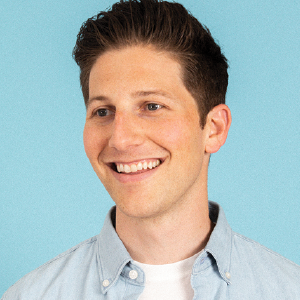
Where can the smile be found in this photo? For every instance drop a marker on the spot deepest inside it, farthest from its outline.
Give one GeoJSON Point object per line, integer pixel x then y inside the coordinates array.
{"type": "Point", "coordinates": [137, 166]}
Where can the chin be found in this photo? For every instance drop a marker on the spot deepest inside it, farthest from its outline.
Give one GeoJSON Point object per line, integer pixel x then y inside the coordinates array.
{"type": "Point", "coordinates": [141, 209]}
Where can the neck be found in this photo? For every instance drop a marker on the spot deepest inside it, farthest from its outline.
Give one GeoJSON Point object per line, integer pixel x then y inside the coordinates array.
{"type": "Point", "coordinates": [169, 237]}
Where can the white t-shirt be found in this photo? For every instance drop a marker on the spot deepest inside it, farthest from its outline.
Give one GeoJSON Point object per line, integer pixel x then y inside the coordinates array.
{"type": "Point", "coordinates": [170, 281]}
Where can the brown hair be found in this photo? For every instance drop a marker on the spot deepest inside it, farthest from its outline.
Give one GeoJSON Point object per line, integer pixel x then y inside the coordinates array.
{"type": "Point", "coordinates": [167, 26]}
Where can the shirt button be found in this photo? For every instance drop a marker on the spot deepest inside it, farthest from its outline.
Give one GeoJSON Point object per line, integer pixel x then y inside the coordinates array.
{"type": "Point", "coordinates": [227, 274]}
{"type": "Point", "coordinates": [133, 274]}
{"type": "Point", "coordinates": [105, 283]}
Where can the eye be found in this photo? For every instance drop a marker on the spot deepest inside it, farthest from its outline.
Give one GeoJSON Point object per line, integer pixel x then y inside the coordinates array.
{"type": "Point", "coordinates": [103, 112]}
{"type": "Point", "coordinates": [153, 106]}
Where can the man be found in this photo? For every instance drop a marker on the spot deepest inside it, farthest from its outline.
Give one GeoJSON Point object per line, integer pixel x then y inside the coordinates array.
{"type": "Point", "coordinates": [154, 83]}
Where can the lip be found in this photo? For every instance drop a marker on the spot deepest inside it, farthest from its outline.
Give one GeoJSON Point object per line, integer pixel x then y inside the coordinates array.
{"type": "Point", "coordinates": [136, 176]}
{"type": "Point", "coordinates": [138, 160]}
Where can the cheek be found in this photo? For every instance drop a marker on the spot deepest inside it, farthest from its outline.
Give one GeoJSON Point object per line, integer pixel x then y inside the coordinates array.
{"type": "Point", "coordinates": [92, 142]}
{"type": "Point", "coordinates": [87, 141]}
{"type": "Point", "coordinates": [177, 134]}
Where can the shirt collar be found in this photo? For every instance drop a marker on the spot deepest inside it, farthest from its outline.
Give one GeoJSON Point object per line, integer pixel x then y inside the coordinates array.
{"type": "Point", "coordinates": [113, 256]}
{"type": "Point", "coordinates": [220, 241]}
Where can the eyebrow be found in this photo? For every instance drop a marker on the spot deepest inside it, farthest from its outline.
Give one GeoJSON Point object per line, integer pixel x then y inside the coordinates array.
{"type": "Point", "coordinates": [134, 95]}
{"type": "Point", "coordinates": [149, 93]}
{"type": "Point", "coordinates": [97, 98]}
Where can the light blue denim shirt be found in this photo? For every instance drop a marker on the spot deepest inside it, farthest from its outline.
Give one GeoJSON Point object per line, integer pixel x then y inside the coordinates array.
{"type": "Point", "coordinates": [230, 267]}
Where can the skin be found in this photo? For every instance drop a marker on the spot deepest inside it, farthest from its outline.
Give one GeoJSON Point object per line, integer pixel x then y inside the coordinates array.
{"type": "Point", "coordinates": [140, 110]}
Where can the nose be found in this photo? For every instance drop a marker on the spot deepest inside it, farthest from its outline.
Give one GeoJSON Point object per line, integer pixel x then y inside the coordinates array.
{"type": "Point", "coordinates": [126, 132]}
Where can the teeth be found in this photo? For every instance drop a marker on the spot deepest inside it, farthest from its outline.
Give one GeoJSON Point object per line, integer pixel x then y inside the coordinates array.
{"type": "Point", "coordinates": [140, 166]}
{"type": "Point", "coordinates": [133, 168]}
{"type": "Point", "coordinates": [127, 169]}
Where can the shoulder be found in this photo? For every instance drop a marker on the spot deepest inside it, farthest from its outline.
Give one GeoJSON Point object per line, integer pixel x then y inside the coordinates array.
{"type": "Point", "coordinates": [66, 266]}
{"type": "Point", "coordinates": [259, 253]}
{"type": "Point", "coordinates": [263, 268]}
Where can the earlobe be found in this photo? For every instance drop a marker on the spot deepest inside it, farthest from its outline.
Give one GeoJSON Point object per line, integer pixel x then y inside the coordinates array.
{"type": "Point", "coordinates": [218, 122]}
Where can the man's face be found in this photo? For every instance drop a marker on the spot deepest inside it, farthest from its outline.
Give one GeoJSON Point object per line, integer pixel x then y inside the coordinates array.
{"type": "Point", "coordinates": [142, 121]}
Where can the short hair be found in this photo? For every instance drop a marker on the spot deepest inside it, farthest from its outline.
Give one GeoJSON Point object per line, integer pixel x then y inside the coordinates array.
{"type": "Point", "coordinates": [167, 26]}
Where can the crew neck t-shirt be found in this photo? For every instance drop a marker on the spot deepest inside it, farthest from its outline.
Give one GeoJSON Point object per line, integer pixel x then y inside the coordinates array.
{"type": "Point", "coordinates": [169, 281]}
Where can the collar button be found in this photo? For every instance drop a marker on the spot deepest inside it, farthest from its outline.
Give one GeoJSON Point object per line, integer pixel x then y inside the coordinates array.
{"type": "Point", "coordinates": [105, 283]}
{"type": "Point", "coordinates": [228, 275]}
{"type": "Point", "coordinates": [133, 274]}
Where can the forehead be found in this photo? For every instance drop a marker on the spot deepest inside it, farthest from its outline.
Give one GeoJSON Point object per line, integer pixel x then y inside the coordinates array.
{"type": "Point", "coordinates": [135, 67]}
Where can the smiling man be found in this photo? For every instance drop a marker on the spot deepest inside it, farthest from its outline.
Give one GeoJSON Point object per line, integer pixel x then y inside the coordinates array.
{"type": "Point", "coordinates": [154, 83]}
{"type": "Point", "coordinates": [145, 142]}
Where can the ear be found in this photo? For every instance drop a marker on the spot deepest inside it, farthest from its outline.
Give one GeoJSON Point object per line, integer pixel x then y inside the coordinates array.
{"type": "Point", "coordinates": [217, 126]}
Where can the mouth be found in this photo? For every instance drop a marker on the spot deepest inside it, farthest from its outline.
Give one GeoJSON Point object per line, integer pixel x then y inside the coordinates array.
{"type": "Point", "coordinates": [136, 167]}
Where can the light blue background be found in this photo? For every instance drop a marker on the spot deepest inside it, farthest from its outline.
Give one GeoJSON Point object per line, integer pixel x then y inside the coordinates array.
{"type": "Point", "coordinates": [50, 197]}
